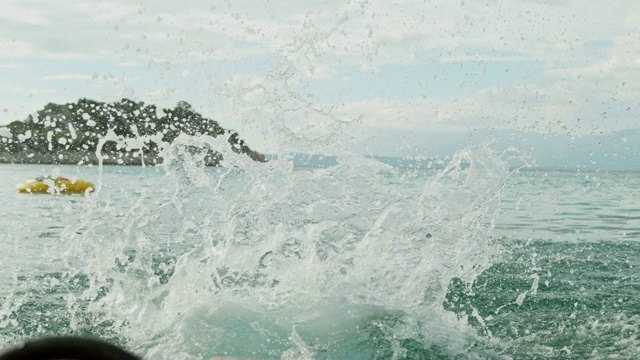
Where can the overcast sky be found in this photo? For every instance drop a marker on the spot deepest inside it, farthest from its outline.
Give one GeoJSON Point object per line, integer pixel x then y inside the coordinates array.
{"type": "Point", "coordinates": [276, 70]}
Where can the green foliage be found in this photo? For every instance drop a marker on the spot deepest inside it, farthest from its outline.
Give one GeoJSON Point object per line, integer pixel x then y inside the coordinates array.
{"type": "Point", "coordinates": [76, 128]}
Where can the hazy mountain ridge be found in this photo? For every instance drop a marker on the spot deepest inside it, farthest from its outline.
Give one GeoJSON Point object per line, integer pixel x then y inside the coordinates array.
{"type": "Point", "coordinates": [619, 150]}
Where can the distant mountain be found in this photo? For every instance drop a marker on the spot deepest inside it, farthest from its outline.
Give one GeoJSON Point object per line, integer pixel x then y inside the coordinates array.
{"type": "Point", "coordinates": [614, 151]}
{"type": "Point", "coordinates": [70, 133]}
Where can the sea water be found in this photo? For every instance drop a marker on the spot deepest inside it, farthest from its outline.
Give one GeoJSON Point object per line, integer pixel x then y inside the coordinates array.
{"type": "Point", "coordinates": [357, 260]}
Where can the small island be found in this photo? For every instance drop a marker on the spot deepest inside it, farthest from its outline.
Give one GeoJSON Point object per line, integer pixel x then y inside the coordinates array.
{"type": "Point", "coordinates": [70, 133]}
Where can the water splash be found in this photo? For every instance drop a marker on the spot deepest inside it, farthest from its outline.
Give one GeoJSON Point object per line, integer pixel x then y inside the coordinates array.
{"type": "Point", "coordinates": [234, 260]}
{"type": "Point", "coordinates": [267, 261]}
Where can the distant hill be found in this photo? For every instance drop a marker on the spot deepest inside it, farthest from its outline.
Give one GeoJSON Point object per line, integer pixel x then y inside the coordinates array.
{"type": "Point", "coordinates": [618, 150]}
{"type": "Point", "coordinates": [69, 133]}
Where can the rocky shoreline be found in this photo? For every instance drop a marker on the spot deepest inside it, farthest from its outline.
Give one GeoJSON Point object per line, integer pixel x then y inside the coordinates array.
{"type": "Point", "coordinates": [78, 158]}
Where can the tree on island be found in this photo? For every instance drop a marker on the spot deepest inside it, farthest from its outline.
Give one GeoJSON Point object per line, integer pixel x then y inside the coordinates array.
{"type": "Point", "coordinates": [70, 133]}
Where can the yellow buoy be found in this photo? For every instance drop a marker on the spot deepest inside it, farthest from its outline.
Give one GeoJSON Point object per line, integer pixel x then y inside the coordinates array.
{"type": "Point", "coordinates": [59, 185]}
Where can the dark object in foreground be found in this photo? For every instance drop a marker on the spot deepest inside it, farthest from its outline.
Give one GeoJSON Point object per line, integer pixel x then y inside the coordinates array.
{"type": "Point", "coordinates": [68, 348]}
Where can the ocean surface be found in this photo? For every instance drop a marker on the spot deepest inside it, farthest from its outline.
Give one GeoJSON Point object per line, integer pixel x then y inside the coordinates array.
{"type": "Point", "coordinates": [357, 260]}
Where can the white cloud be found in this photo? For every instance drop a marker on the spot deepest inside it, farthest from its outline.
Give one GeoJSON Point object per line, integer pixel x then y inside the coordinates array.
{"type": "Point", "coordinates": [570, 85]}
{"type": "Point", "coordinates": [67, 77]}
{"type": "Point", "coordinates": [128, 63]}
{"type": "Point", "coordinates": [164, 94]}
{"type": "Point", "coordinates": [110, 80]}
{"type": "Point", "coordinates": [31, 91]}
{"type": "Point", "coordinates": [321, 72]}
{"type": "Point", "coordinates": [127, 92]}
{"type": "Point", "coordinates": [367, 68]}
{"type": "Point", "coordinates": [12, 65]}
{"type": "Point", "coordinates": [15, 12]}
{"type": "Point", "coordinates": [14, 49]}
{"type": "Point", "coordinates": [574, 106]}
{"type": "Point", "coordinates": [405, 31]}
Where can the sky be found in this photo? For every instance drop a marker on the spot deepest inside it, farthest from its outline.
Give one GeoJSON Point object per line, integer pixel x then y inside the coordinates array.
{"type": "Point", "coordinates": [300, 72]}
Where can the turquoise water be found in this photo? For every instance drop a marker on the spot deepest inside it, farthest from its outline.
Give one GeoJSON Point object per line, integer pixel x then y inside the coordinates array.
{"type": "Point", "coordinates": [354, 261]}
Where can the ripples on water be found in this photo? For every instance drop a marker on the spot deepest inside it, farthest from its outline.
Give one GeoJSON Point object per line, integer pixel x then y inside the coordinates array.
{"type": "Point", "coordinates": [352, 261]}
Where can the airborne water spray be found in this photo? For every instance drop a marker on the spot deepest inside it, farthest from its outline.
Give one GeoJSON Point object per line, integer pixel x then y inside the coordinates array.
{"type": "Point", "coordinates": [259, 260]}
{"type": "Point", "coordinates": [263, 260]}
